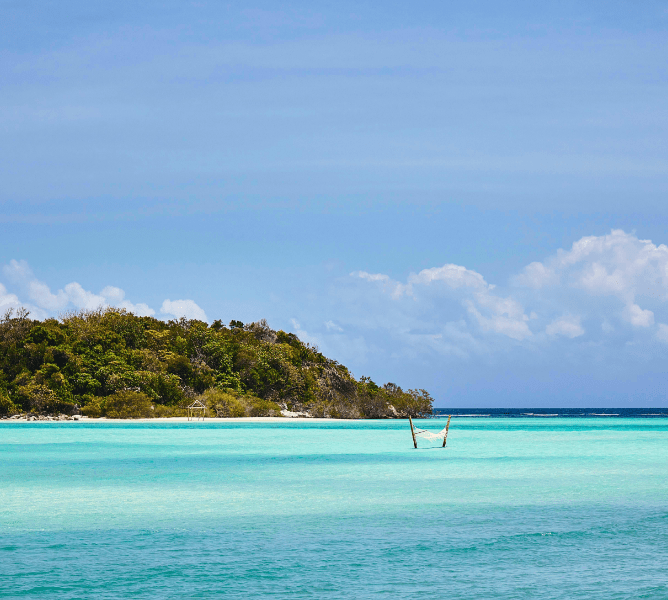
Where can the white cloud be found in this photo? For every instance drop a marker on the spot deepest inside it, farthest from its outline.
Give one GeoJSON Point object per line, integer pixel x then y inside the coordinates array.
{"type": "Point", "coordinates": [505, 316]}
{"type": "Point", "coordinates": [331, 326]}
{"type": "Point", "coordinates": [370, 276]}
{"type": "Point", "coordinates": [492, 313]}
{"type": "Point", "coordinates": [639, 317]}
{"type": "Point", "coordinates": [617, 265]}
{"type": "Point", "coordinates": [303, 335]}
{"type": "Point", "coordinates": [116, 297]}
{"type": "Point", "coordinates": [662, 333]}
{"type": "Point", "coordinates": [619, 279]}
{"type": "Point", "coordinates": [454, 276]}
{"type": "Point", "coordinates": [183, 308]}
{"type": "Point", "coordinates": [17, 270]}
{"type": "Point", "coordinates": [568, 326]}
{"type": "Point", "coordinates": [72, 295]}
{"type": "Point", "coordinates": [40, 294]}
{"type": "Point", "coordinates": [113, 295]}
{"type": "Point", "coordinates": [609, 264]}
{"type": "Point", "coordinates": [81, 298]}
{"type": "Point", "coordinates": [536, 275]}
{"type": "Point", "coordinates": [394, 287]}
{"type": "Point", "coordinates": [7, 300]}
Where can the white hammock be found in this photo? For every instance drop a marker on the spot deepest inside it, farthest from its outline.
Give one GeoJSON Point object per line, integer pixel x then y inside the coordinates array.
{"type": "Point", "coordinates": [431, 435]}
{"type": "Point", "coordinates": [441, 436]}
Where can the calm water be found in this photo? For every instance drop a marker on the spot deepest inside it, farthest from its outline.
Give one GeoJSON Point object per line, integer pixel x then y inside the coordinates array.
{"type": "Point", "coordinates": [560, 507]}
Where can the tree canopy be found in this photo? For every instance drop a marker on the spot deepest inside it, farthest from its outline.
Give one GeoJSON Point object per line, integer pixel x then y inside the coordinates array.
{"type": "Point", "coordinates": [110, 362]}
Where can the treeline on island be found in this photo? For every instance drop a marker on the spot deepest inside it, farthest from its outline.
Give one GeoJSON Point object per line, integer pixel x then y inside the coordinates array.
{"type": "Point", "coordinates": [112, 363]}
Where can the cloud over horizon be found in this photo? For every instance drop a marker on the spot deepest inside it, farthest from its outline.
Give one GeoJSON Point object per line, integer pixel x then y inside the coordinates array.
{"type": "Point", "coordinates": [44, 303]}
{"type": "Point", "coordinates": [604, 290]}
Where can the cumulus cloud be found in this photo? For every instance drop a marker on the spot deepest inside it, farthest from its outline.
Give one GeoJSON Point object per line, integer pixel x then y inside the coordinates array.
{"type": "Point", "coordinates": [183, 308]}
{"type": "Point", "coordinates": [394, 287]}
{"type": "Point", "coordinates": [7, 300]}
{"type": "Point", "coordinates": [116, 297]}
{"type": "Point", "coordinates": [43, 302]}
{"type": "Point", "coordinates": [72, 295]}
{"type": "Point", "coordinates": [568, 326]}
{"type": "Point", "coordinates": [637, 316]}
{"type": "Point", "coordinates": [491, 312]}
{"type": "Point", "coordinates": [618, 280]}
{"type": "Point", "coordinates": [17, 270]}
{"type": "Point", "coordinates": [40, 294]}
{"type": "Point", "coordinates": [536, 275]}
{"type": "Point", "coordinates": [617, 265]}
{"type": "Point", "coordinates": [454, 276]}
{"type": "Point", "coordinates": [662, 333]}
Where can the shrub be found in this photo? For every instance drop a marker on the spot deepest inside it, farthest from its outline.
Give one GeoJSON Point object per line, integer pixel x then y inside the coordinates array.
{"type": "Point", "coordinates": [226, 403]}
{"type": "Point", "coordinates": [39, 398]}
{"type": "Point", "coordinates": [95, 408]}
{"type": "Point", "coordinates": [414, 403]}
{"type": "Point", "coordinates": [7, 407]}
{"type": "Point", "coordinates": [162, 411]}
{"type": "Point", "coordinates": [221, 403]}
{"type": "Point", "coordinates": [263, 408]}
{"type": "Point", "coordinates": [128, 405]}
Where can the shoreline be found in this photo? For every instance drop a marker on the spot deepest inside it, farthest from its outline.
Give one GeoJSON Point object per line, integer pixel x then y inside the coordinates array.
{"type": "Point", "coordinates": [180, 420]}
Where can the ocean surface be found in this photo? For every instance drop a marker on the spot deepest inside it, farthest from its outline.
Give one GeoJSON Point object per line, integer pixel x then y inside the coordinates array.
{"type": "Point", "coordinates": [528, 507]}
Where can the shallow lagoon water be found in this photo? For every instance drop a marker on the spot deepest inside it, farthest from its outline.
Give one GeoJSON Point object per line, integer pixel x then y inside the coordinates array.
{"type": "Point", "coordinates": [512, 508]}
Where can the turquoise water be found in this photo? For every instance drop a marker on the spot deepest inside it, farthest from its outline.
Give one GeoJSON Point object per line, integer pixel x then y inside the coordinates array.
{"type": "Point", "coordinates": [513, 508]}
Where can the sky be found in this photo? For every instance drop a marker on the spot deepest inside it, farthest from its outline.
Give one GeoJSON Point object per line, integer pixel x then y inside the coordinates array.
{"type": "Point", "coordinates": [465, 197]}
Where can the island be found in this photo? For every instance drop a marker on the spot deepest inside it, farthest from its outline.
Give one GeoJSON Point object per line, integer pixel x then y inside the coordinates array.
{"type": "Point", "coordinates": [112, 363]}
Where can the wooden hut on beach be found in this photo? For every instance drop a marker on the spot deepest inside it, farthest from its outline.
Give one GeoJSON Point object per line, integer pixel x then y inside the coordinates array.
{"type": "Point", "coordinates": [196, 411]}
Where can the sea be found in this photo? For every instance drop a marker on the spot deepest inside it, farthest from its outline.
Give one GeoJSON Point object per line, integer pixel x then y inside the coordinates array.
{"type": "Point", "coordinates": [520, 504]}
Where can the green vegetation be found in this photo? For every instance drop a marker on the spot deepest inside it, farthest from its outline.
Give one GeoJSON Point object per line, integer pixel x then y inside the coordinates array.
{"type": "Point", "coordinates": [112, 363]}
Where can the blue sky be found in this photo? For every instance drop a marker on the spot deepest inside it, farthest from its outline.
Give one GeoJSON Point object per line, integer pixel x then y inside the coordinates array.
{"type": "Point", "coordinates": [468, 197]}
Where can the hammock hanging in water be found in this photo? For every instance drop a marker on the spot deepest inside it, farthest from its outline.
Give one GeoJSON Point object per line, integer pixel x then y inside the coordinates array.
{"type": "Point", "coordinates": [430, 435]}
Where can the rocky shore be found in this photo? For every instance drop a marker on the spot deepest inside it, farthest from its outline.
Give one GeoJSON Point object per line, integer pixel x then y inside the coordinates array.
{"type": "Point", "coordinates": [43, 418]}
{"type": "Point", "coordinates": [84, 419]}
{"type": "Point", "coordinates": [285, 414]}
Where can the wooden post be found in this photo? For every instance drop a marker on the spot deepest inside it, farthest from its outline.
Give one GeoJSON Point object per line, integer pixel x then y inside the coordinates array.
{"type": "Point", "coordinates": [445, 437]}
{"type": "Point", "coordinates": [412, 432]}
